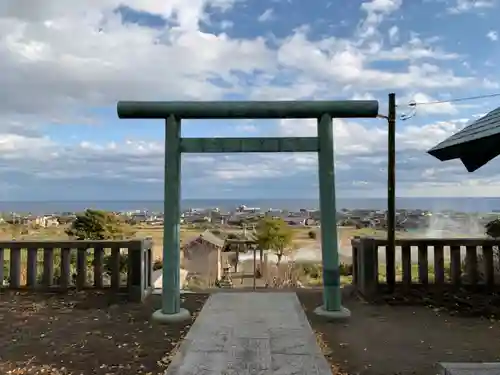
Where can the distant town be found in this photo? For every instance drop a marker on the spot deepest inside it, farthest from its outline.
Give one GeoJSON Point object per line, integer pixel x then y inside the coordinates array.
{"type": "Point", "coordinates": [406, 220]}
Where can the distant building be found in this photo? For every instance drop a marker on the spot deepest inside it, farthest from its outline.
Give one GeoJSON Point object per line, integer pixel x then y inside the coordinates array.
{"type": "Point", "coordinates": [201, 256]}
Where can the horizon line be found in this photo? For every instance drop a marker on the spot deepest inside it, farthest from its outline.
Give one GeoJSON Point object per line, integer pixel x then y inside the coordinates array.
{"type": "Point", "coordinates": [232, 199]}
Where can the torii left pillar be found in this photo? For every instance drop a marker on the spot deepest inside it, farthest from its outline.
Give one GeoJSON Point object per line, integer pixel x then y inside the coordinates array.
{"type": "Point", "coordinates": [171, 300]}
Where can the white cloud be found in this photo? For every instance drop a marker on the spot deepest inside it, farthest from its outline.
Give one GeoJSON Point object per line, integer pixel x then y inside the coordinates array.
{"type": "Point", "coordinates": [415, 49]}
{"type": "Point", "coordinates": [62, 60]}
{"type": "Point", "coordinates": [268, 15]}
{"type": "Point", "coordinates": [462, 6]}
{"type": "Point", "coordinates": [381, 6]}
{"type": "Point", "coordinates": [393, 34]}
{"type": "Point", "coordinates": [492, 35]}
{"type": "Point", "coordinates": [376, 12]}
{"type": "Point", "coordinates": [353, 138]}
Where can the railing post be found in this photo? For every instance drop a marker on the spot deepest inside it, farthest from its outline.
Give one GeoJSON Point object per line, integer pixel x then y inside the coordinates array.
{"type": "Point", "coordinates": [368, 267]}
{"type": "Point", "coordinates": [148, 265]}
{"type": "Point", "coordinates": [138, 270]}
{"type": "Point", "coordinates": [134, 271]}
{"type": "Point", "coordinates": [355, 244]}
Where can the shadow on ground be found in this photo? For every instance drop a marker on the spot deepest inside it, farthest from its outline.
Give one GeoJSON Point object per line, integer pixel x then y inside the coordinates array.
{"type": "Point", "coordinates": [86, 333]}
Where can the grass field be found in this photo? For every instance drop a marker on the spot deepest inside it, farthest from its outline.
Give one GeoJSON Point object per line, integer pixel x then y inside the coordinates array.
{"type": "Point", "coordinates": [301, 236]}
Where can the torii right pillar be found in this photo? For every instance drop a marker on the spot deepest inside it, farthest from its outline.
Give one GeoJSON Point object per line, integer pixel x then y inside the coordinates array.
{"type": "Point", "coordinates": [332, 299]}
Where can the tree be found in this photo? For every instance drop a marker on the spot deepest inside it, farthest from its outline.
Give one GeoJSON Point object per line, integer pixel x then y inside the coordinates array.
{"type": "Point", "coordinates": [493, 228]}
{"type": "Point", "coordinates": [275, 235]}
{"type": "Point", "coordinates": [98, 225]}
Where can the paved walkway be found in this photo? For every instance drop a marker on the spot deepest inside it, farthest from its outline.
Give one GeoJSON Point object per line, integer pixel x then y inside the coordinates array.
{"type": "Point", "coordinates": [250, 334]}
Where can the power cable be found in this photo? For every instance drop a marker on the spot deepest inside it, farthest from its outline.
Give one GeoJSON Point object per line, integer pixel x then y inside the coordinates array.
{"type": "Point", "coordinates": [413, 105]}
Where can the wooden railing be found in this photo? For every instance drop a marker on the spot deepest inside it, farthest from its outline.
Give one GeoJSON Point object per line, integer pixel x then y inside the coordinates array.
{"type": "Point", "coordinates": [50, 266]}
{"type": "Point", "coordinates": [455, 262]}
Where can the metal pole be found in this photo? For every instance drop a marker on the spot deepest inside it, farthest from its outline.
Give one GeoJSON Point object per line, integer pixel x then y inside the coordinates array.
{"type": "Point", "coordinates": [329, 239]}
{"type": "Point", "coordinates": [391, 191]}
{"type": "Point", "coordinates": [171, 298]}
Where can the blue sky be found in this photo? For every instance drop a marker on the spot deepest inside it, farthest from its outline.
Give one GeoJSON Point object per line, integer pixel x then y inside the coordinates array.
{"type": "Point", "coordinates": [66, 65]}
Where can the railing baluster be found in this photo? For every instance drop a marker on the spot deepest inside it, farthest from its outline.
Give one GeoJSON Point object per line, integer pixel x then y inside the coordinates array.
{"type": "Point", "coordinates": [65, 268]}
{"type": "Point", "coordinates": [438, 264]}
{"type": "Point", "coordinates": [31, 267]}
{"type": "Point", "coordinates": [115, 267]}
{"type": "Point", "coordinates": [98, 266]}
{"type": "Point", "coordinates": [15, 267]}
{"type": "Point", "coordinates": [406, 263]}
{"type": "Point", "coordinates": [423, 264]}
{"type": "Point", "coordinates": [471, 271]}
{"type": "Point", "coordinates": [489, 271]}
{"type": "Point", "coordinates": [2, 262]}
{"type": "Point", "coordinates": [48, 267]}
{"type": "Point", "coordinates": [390, 267]}
{"type": "Point", "coordinates": [81, 268]}
{"type": "Point", "coordinates": [455, 265]}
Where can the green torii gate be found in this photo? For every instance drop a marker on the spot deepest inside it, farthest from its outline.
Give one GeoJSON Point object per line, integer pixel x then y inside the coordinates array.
{"type": "Point", "coordinates": [174, 112]}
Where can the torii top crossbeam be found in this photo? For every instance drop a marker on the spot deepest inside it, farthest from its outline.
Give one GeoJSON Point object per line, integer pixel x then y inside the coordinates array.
{"type": "Point", "coordinates": [247, 109]}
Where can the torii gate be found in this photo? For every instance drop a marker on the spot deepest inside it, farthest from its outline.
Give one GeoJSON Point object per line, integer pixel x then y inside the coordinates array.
{"type": "Point", "coordinates": [175, 112]}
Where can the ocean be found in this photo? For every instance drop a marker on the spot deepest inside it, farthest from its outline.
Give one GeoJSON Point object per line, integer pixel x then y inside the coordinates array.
{"type": "Point", "coordinates": [434, 204]}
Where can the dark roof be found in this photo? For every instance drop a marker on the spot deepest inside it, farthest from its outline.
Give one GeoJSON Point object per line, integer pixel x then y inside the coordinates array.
{"type": "Point", "coordinates": [212, 238]}
{"type": "Point", "coordinates": [475, 145]}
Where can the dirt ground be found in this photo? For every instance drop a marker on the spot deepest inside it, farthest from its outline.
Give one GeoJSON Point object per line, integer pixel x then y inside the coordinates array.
{"type": "Point", "coordinates": [386, 339]}
{"type": "Point", "coordinates": [86, 334]}
{"type": "Point", "coordinates": [90, 334]}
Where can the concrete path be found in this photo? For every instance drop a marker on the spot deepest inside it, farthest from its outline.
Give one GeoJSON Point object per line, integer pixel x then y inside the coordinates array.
{"type": "Point", "coordinates": [250, 334]}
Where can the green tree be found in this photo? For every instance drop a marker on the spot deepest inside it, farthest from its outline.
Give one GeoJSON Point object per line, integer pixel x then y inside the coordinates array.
{"type": "Point", "coordinates": [99, 225]}
{"type": "Point", "coordinates": [493, 228]}
{"type": "Point", "coordinates": [275, 235]}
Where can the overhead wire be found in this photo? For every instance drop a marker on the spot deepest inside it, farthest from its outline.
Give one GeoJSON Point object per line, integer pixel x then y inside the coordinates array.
{"type": "Point", "coordinates": [413, 105]}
